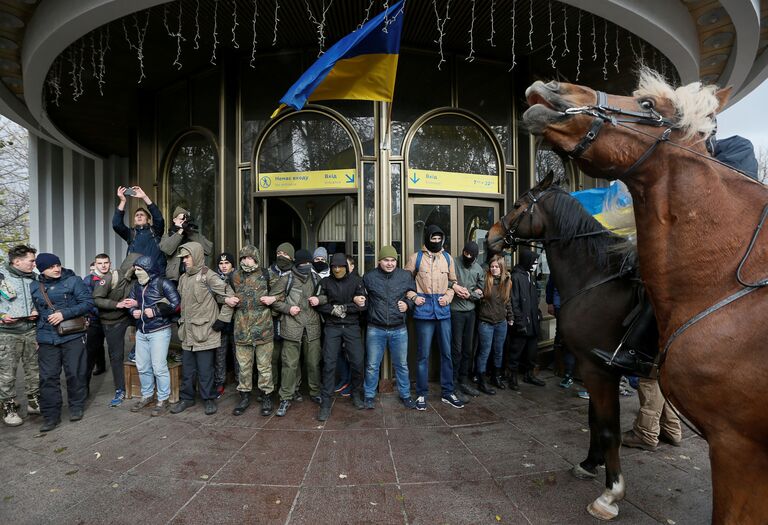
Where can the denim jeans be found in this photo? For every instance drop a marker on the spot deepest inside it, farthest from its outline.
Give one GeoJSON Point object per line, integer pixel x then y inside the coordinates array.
{"type": "Point", "coordinates": [377, 340]}
{"type": "Point", "coordinates": [491, 337]}
{"type": "Point", "coordinates": [152, 364]}
{"type": "Point", "coordinates": [425, 330]}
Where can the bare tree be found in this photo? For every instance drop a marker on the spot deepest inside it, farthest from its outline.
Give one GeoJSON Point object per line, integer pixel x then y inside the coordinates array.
{"type": "Point", "coordinates": [762, 164]}
{"type": "Point", "coordinates": [14, 185]}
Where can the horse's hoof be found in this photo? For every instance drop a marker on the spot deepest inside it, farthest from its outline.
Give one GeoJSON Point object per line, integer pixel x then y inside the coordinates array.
{"type": "Point", "coordinates": [581, 473]}
{"type": "Point", "coordinates": [603, 511]}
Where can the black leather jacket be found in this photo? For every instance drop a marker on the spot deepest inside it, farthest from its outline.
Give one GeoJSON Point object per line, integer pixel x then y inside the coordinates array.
{"type": "Point", "coordinates": [384, 291]}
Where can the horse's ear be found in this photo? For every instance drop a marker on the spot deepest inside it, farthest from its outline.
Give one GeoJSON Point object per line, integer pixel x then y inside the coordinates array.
{"type": "Point", "coordinates": [547, 181]}
{"type": "Point", "coordinates": [722, 97]}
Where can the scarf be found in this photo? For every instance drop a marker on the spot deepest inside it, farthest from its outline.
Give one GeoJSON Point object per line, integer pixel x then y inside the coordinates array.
{"type": "Point", "coordinates": [142, 276]}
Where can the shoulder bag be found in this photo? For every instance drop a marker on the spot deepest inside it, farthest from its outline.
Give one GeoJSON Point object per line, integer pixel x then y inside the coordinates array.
{"type": "Point", "coordinates": [67, 326]}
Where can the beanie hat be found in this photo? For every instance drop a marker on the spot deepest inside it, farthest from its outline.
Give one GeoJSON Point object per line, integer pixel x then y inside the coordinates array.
{"type": "Point", "coordinates": [320, 252]}
{"type": "Point", "coordinates": [387, 251]}
{"type": "Point", "coordinates": [287, 248]}
{"type": "Point", "coordinates": [46, 260]}
{"type": "Point", "coordinates": [224, 256]}
{"type": "Point", "coordinates": [472, 248]}
{"type": "Point", "coordinates": [303, 256]}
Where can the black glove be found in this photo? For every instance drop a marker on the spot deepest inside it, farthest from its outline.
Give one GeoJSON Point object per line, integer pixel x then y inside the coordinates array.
{"type": "Point", "coordinates": [219, 326]}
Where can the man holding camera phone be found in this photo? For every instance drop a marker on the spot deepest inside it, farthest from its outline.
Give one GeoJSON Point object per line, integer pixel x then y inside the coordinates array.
{"type": "Point", "coordinates": [182, 231]}
{"type": "Point", "coordinates": [148, 225]}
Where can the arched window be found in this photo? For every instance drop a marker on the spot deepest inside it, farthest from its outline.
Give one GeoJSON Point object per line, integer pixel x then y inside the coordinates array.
{"type": "Point", "coordinates": [453, 153]}
{"type": "Point", "coordinates": [193, 178]}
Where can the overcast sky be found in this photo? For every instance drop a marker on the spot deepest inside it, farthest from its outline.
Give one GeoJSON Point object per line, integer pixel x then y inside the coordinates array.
{"type": "Point", "coordinates": [748, 118]}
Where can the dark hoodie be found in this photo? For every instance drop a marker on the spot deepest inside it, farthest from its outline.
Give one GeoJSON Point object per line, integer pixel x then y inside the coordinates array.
{"type": "Point", "coordinates": [525, 296]}
{"type": "Point", "coordinates": [69, 295]}
{"type": "Point", "coordinates": [159, 294]}
{"type": "Point", "coordinates": [112, 289]}
{"type": "Point", "coordinates": [335, 292]}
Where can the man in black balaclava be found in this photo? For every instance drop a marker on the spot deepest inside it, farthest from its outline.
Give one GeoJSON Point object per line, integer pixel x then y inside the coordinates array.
{"type": "Point", "coordinates": [525, 330]}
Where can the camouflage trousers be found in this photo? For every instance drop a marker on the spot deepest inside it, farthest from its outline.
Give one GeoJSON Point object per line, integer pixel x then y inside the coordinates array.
{"type": "Point", "coordinates": [245, 357]}
{"type": "Point", "coordinates": [15, 348]}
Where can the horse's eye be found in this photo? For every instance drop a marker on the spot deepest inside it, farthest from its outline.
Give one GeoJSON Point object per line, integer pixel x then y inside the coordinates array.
{"type": "Point", "coordinates": [646, 104]}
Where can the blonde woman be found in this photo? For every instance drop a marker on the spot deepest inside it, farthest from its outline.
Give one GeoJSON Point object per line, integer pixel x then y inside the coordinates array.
{"type": "Point", "coordinates": [495, 312]}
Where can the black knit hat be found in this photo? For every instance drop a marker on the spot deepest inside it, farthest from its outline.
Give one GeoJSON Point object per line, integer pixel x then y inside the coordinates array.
{"type": "Point", "coordinates": [224, 256]}
{"type": "Point", "coordinates": [303, 256]}
{"type": "Point", "coordinates": [472, 248]}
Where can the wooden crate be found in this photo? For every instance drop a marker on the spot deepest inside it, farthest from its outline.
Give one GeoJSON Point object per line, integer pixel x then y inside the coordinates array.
{"type": "Point", "coordinates": [133, 383]}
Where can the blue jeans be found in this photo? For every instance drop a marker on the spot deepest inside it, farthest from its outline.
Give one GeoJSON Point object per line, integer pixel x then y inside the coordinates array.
{"type": "Point", "coordinates": [425, 329]}
{"type": "Point", "coordinates": [151, 362]}
{"type": "Point", "coordinates": [491, 337]}
{"type": "Point", "coordinates": [376, 341]}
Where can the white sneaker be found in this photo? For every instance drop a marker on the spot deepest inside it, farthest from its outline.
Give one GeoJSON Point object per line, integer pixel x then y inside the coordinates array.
{"type": "Point", "coordinates": [10, 416]}
{"type": "Point", "coordinates": [33, 404]}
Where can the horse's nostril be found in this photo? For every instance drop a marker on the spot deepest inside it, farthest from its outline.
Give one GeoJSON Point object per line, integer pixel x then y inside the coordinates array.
{"type": "Point", "coordinates": [553, 86]}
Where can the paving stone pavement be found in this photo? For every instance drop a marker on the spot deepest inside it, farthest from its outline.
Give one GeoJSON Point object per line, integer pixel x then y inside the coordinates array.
{"type": "Point", "coordinates": [501, 459]}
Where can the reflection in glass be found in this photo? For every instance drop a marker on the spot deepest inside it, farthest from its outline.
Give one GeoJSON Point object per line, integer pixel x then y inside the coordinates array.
{"type": "Point", "coordinates": [245, 181]}
{"type": "Point", "coordinates": [193, 181]}
{"type": "Point", "coordinates": [306, 141]}
{"type": "Point", "coordinates": [397, 214]}
{"type": "Point", "coordinates": [369, 215]}
{"type": "Point", "coordinates": [427, 214]}
{"type": "Point", "coordinates": [477, 221]}
{"type": "Point", "coordinates": [546, 161]}
{"type": "Point", "coordinates": [452, 143]}
{"type": "Point", "coordinates": [359, 113]}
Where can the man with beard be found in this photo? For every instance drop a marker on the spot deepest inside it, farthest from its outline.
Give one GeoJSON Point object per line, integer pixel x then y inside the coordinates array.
{"type": "Point", "coordinates": [435, 273]}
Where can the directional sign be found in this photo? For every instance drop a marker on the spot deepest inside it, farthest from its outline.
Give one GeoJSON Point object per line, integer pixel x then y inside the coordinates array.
{"type": "Point", "coordinates": [309, 180]}
{"type": "Point", "coordinates": [452, 181]}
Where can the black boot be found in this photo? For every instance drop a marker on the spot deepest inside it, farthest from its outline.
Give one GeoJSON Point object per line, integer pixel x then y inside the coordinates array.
{"type": "Point", "coordinates": [245, 401]}
{"type": "Point", "coordinates": [532, 379]}
{"type": "Point", "coordinates": [628, 361]}
{"type": "Point", "coordinates": [497, 381]}
{"type": "Point", "coordinates": [484, 388]}
{"type": "Point", "coordinates": [266, 405]}
{"type": "Point", "coordinates": [468, 389]}
{"type": "Point", "coordinates": [513, 380]}
{"type": "Point", "coordinates": [325, 410]}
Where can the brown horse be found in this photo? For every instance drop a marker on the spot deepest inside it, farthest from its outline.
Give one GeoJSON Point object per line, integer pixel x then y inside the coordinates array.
{"type": "Point", "coordinates": [702, 257]}
{"type": "Point", "coordinates": [594, 271]}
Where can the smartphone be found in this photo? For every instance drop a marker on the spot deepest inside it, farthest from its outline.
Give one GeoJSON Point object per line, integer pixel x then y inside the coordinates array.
{"type": "Point", "coordinates": [129, 192]}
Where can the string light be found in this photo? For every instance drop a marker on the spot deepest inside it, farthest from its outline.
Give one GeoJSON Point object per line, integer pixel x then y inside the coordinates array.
{"type": "Point", "coordinates": [73, 73]}
{"type": "Point", "coordinates": [552, 46]}
{"type": "Point", "coordinates": [471, 56]}
{"type": "Point", "coordinates": [642, 52]}
{"type": "Point", "coordinates": [616, 60]}
{"type": "Point", "coordinates": [103, 49]}
{"type": "Point", "coordinates": [441, 29]}
{"type": "Point", "coordinates": [664, 66]}
{"type": "Point", "coordinates": [234, 25]}
{"type": "Point", "coordinates": [139, 46]}
{"type": "Point", "coordinates": [54, 81]}
{"type": "Point", "coordinates": [274, 38]}
{"type": "Point", "coordinates": [255, 40]}
{"type": "Point", "coordinates": [605, 49]}
{"type": "Point", "coordinates": [530, 25]}
{"type": "Point", "coordinates": [514, 62]}
{"type": "Point", "coordinates": [93, 53]}
{"type": "Point", "coordinates": [175, 34]}
{"type": "Point", "coordinates": [386, 13]}
{"type": "Point", "coordinates": [635, 56]}
{"type": "Point", "coordinates": [566, 50]}
{"type": "Point", "coordinates": [197, 25]}
{"type": "Point", "coordinates": [493, 31]}
{"type": "Point", "coordinates": [215, 30]}
{"type": "Point", "coordinates": [594, 39]}
{"type": "Point", "coordinates": [367, 14]}
{"type": "Point", "coordinates": [319, 24]}
{"type": "Point", "coordinates": [579, 58]}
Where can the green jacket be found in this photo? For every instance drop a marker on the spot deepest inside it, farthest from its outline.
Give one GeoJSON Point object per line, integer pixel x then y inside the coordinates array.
{"type": "Point", "coordinates": [253, 320]}
{"type": "Point", "coordinates": [201, 292]}
{"type": "Point", "coordinates": [113, 288]}
{"type": "Point", "coordinates": [473, 278]}
{"type": "Point", "coordinates": [172, 241]}
{"type": "Point", "coordinates": [302, 288]}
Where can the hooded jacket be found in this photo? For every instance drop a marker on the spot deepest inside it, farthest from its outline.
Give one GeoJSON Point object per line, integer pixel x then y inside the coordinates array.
{"type": "Point", "coordinates": [159, 294]}
{"type": "Point", "coordinates": [336, 292]}
{"type": "Point", "coordinates": [435, 278]}
{"type": "Point", "coordinates": [20, 306]}
{"type": "Point", "coordinates": [384, 290]}
{"type": "Point", "coordinates": [172, 241]}
{"type": "Point", "coordinates": [525, 296]}
{"type": "Point", "coordinates": [113, 288]}
{"type": "Point", "coordinates": [302, 288]}
{"type": "Point", "coordinates": [253, 320]}
{"type": "Point", "coordinates": [142, 239]}
{"type": "Point", "coordinates": [202, 291]}
{"type": "Point", "coordinates": [69, 295]}
{"type": "Point", "coordinates": [472, 278]}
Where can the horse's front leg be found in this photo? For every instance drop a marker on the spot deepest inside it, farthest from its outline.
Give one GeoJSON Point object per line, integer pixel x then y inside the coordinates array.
{"type": "Point", "coordinates": [604, 405]}
{"type": "Point", "coordinates": [587, 469]}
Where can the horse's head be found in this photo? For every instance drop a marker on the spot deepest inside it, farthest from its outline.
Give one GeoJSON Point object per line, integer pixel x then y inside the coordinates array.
{"type": "Point", "coordinates": [610, 134]}
{"type": "Point", "coordinates": [522, 222]}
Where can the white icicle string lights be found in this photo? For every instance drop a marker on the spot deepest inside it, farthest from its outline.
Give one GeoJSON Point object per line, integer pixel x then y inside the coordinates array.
{"type": "Point", "coordinates": [616, 60]}
{"type": "Point", "coordinates": [139, 45]}
{"type": "Point", "coordinates": [385, 29]}
{"type": "Point", "coordinates": [493, 30]}
{"type": "Point", "coordinates": [367, 14]}
{"type": "Point", "coordinates": [566, 49]}
{"type": "Point", "coordinates": [103, 48]}
{"type": "Point", "coordinates": [471, 56]}
{"type": "Point", "coordinates": [71, 56]}
{"type": "Point", "coordinates": [274, 37]}
{"type": "Point", "coordinates": [197, 25]}
{"type": "Point", "coordinates": [215, 30]}
{"type": "Point", "coordinates": [254, 42]}
{"type": "Point", "coordinates": [514, 61]}
{"type": "Point", "coordinates": [552, 46]}
{"type": "Point", "coordinates": [234, 25]}
{"type": "Point", "coordinates": [93, 53]}
{"type": "Point", "coordinates": [579, 58]}
{"type": "Point", "coordinates": [175, 34]}
{"type": "Point", "coordinates": [54, 81]}
{"type": "Point", "coordinates": [441, 29]}
{"type": "Point", "coordinates": [594, 40]}
{"type": "Point", "coordinates": [605, 49]}
{"type": "Point", "coordinates": [319, 24]}
{"type": "Point", "coordinates": [530, 25]}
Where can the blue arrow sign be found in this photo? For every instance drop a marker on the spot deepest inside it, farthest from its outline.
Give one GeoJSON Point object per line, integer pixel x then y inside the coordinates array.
{"type": "Point", "coordinates": [351, 179]}
{"type": "Point", "coordinates": [414, 179]}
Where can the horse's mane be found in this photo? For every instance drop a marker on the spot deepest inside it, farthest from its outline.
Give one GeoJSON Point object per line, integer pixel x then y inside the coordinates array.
{"type": "Point", "coordinates": [572, 219]}
{"type": "Point", "coordinates": [695, 103]}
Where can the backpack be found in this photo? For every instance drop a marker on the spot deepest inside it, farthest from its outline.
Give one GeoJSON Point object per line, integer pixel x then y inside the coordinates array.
{"type": "Point", "coordinates": [420, 255]}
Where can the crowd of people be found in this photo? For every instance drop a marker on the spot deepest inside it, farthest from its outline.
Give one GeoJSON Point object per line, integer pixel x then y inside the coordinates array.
{"type": "Point", "coordinates": [268, 320]}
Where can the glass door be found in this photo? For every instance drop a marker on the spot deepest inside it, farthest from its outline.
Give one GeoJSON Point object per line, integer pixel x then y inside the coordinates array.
{"type": "Point", "coordinates": [476, 217]}
{"type": "Point", "coordinates": [425, 211]}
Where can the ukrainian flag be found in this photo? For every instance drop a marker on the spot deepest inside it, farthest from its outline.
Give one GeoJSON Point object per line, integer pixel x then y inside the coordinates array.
{"type": "Point", "coordinates": [360, 66]}
{"type": "Point", "coordinates": [611, 206]}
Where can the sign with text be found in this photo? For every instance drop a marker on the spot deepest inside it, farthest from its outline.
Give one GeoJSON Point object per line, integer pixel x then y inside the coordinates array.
{"type": "Point", "coordinates": [451, 181]}
{"type": "Point", "coordinates": [343, 179]}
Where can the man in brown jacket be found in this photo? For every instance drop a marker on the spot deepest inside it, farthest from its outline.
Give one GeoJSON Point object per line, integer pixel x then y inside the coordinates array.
{"type": "Point", "coordinates": [201, 321]}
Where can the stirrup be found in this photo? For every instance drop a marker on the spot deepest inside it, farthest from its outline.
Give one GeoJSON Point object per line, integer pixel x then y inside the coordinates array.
{"type": "Point", "coordinates": [628, 362]}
